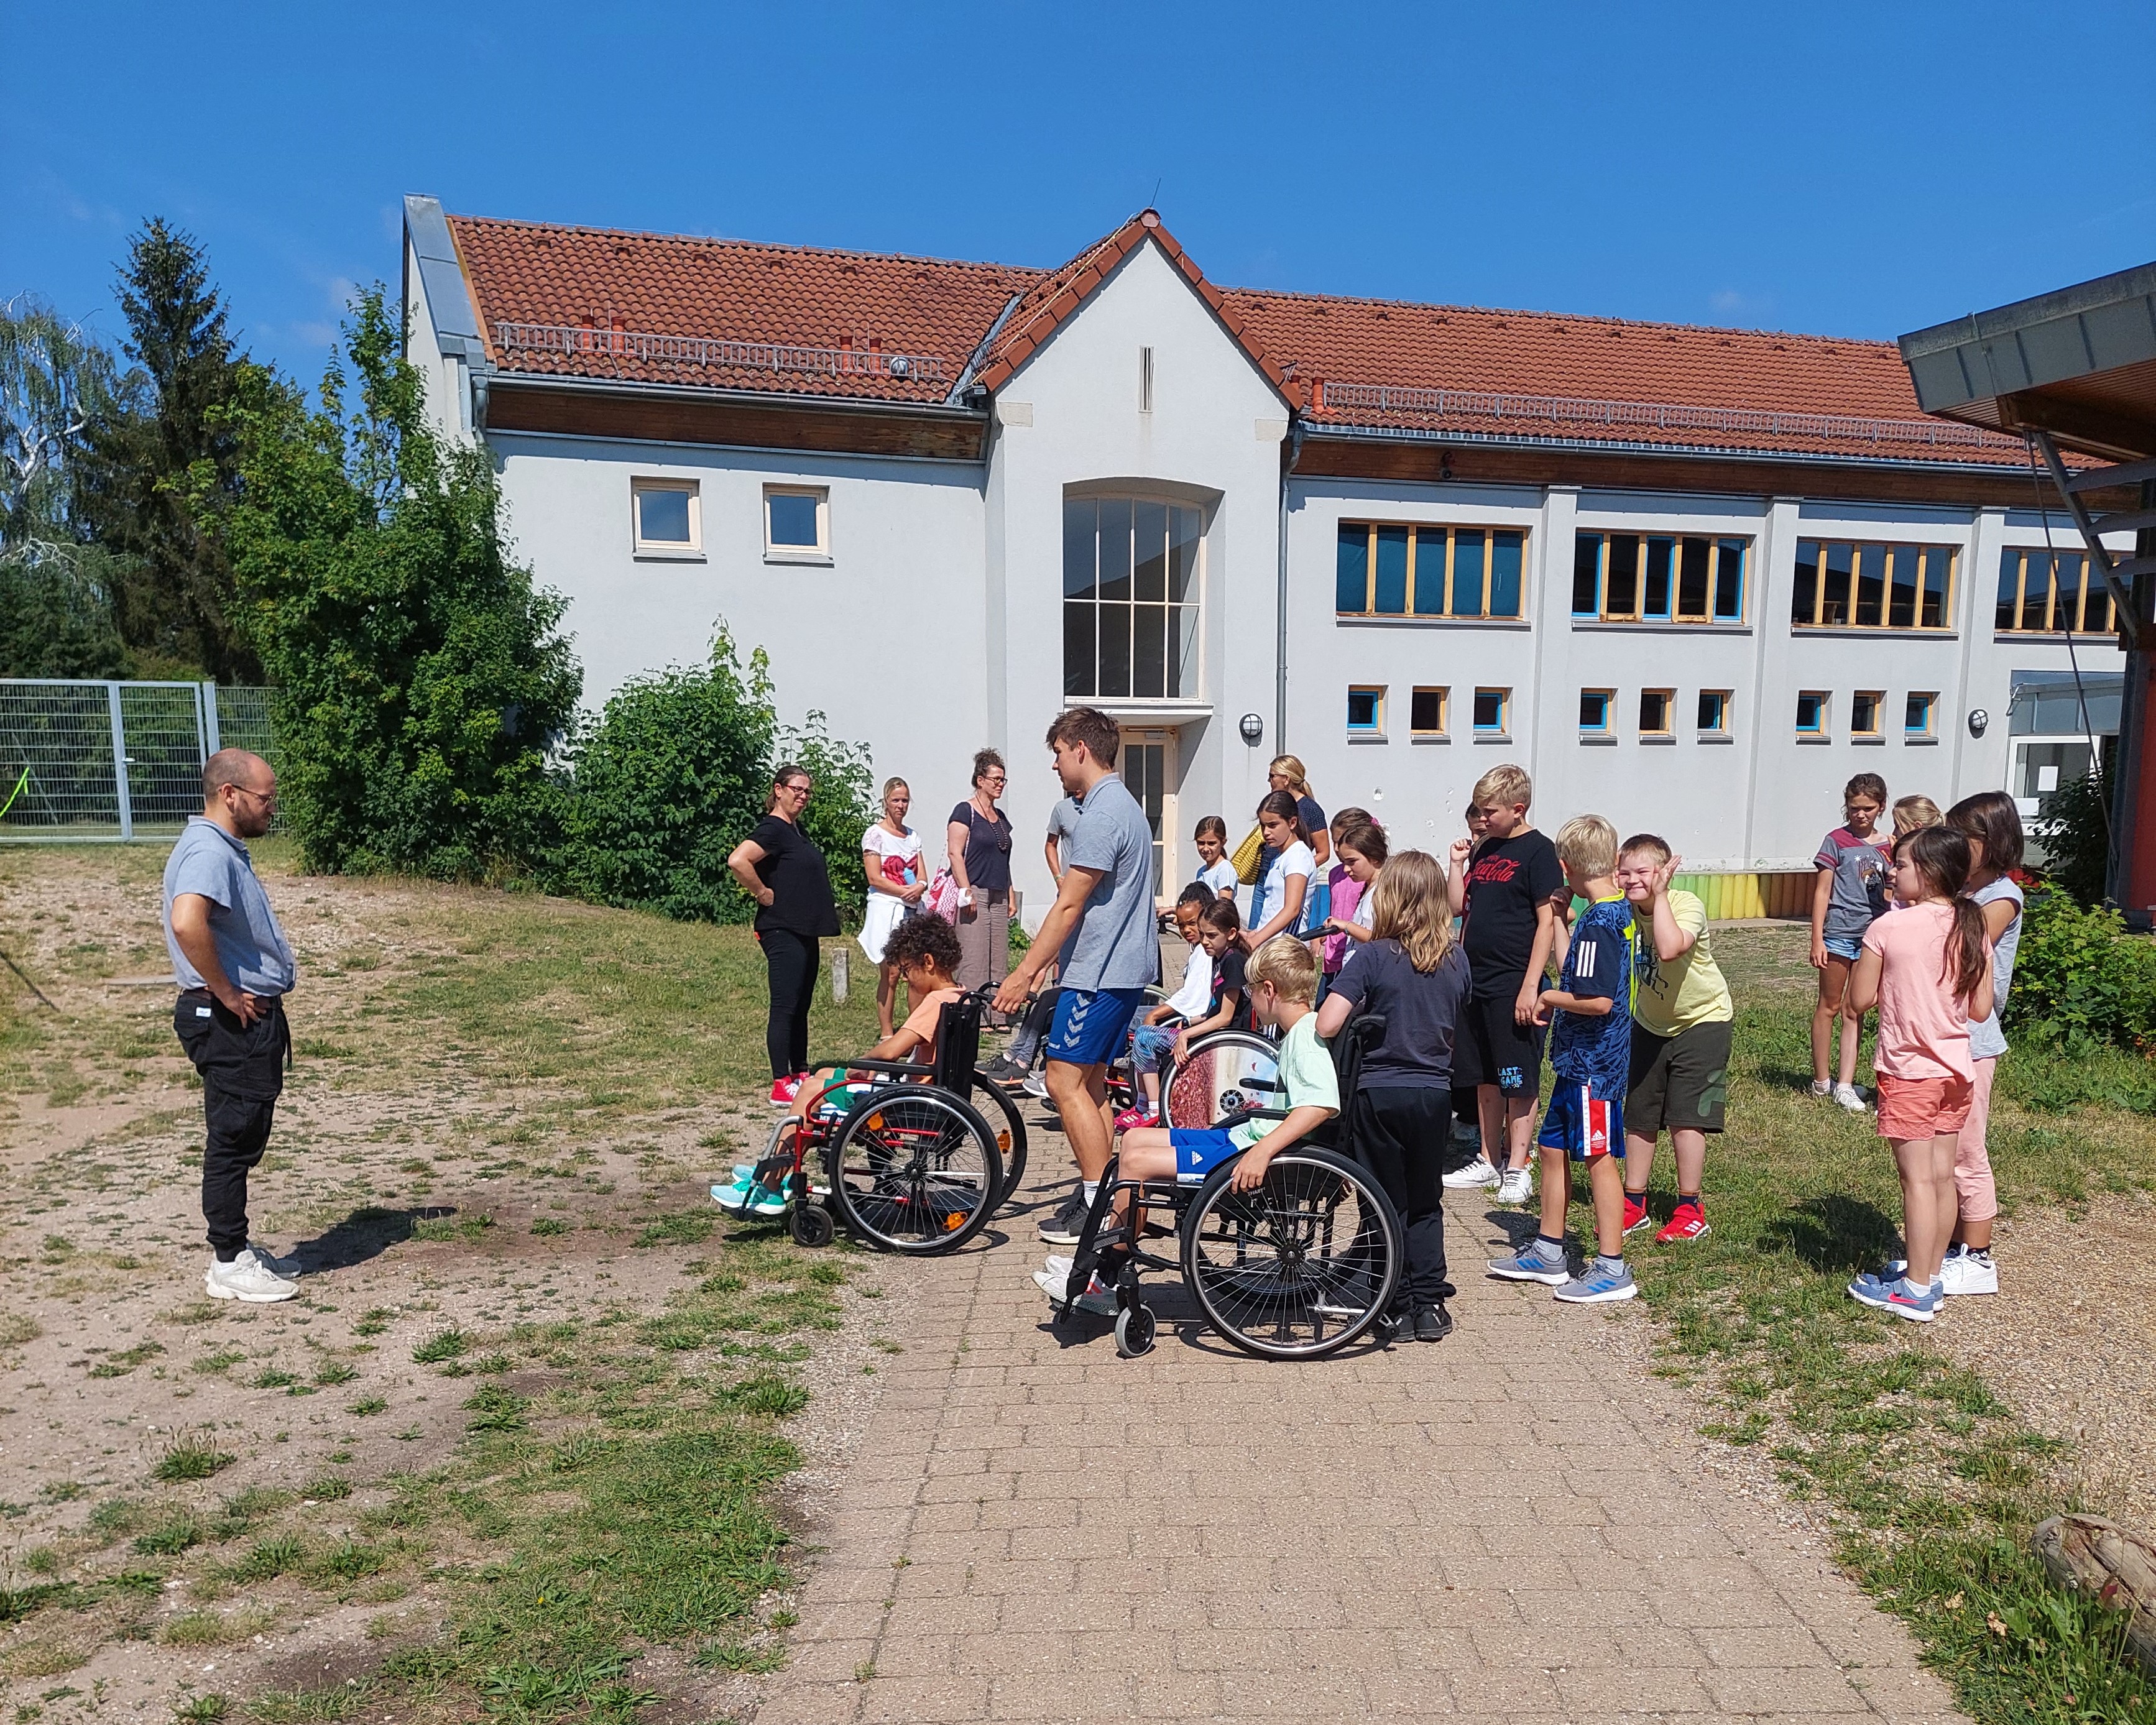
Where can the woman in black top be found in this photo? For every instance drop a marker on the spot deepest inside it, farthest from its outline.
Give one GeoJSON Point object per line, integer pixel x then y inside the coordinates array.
{"type": "Point", "coordinates": [979, 842]}
{"type": "Point", "coordinates": [780, 867]}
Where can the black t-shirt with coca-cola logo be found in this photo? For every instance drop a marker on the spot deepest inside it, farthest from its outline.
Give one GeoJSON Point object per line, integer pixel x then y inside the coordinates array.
{"type": "Point", "coordinates": [1507, 879]}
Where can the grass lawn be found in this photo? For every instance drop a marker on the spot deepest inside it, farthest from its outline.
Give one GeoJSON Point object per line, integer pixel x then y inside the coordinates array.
{"type": "Point", "coordinates": [1933, 1484]}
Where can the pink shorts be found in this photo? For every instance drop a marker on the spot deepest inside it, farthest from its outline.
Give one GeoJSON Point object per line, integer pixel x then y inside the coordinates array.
{"type": "Point", "coordinates": [1923, 1108]}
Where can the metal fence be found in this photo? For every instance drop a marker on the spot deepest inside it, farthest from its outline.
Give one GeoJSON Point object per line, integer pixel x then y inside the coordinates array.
{"type": "Point", "coordinates": [115, 760]}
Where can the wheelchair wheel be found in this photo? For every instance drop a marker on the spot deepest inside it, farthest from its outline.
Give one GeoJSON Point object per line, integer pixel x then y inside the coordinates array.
{"type": "Point", "coordinates": [1134, 1331]}
{"type": "Point", "coordinates": [1010, 1137]}
{"type": "Point", "coordinates": [813, 1225]}
{"type": "Point", "coordinates": [1301, 1267]}
{"type": "Point", "coordinates": [914, 1168]}
{"type": "Point", "coordinates": [1226, 1070]}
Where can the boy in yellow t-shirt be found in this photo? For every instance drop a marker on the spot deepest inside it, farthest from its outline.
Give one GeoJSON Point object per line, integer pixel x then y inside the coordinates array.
{"type": "Point", "coordinates": [1681, 1021]}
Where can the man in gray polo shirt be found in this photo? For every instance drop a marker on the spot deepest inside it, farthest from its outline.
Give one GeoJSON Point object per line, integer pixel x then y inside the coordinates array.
{"type": "Point", "coordinates": [1101, 933]}
{"type": "Point", "coordinates": [234, 968]}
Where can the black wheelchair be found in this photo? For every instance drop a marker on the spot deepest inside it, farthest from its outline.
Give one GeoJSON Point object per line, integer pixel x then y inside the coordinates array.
{"type": "Point", "coordinates": [900, 1151]}
{"type": "Point", "coordinates": [1299, 1269]}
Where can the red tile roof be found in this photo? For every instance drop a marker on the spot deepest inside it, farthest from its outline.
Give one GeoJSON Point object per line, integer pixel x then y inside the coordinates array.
{"type": "Point", "coordinates": [733, 315]}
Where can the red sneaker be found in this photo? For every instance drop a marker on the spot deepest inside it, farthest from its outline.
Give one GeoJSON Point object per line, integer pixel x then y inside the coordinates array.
{"type": "Point", "coordinates": [1131, 1119]}
{"type": "Point", "coordinates": [1635, 1214]}
{"type": "Point", "coordinates": [784, 1090]}
{"type": "Point", "coordinates": [1688, 1224]}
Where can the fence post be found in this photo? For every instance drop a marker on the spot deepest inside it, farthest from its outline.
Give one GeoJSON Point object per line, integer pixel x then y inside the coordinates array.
{"type": "Point", "coordinates": [120, 764]}
{"type": "Point", "coordinates": [210, 741]}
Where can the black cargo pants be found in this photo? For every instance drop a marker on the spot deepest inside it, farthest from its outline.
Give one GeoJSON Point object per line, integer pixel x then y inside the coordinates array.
{"type": "Point", "coordinates": [242, 1073]}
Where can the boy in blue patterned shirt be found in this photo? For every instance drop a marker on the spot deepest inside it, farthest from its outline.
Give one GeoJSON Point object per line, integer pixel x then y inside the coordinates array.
{"type": "Point", "coordinates": [1590, 1048]}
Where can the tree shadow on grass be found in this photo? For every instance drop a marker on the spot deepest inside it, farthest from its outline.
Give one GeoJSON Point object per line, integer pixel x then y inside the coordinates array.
{"type": "Point", "coordinates": [1835, 1233]}
{"type": "Point", "coordinates": [367, 1233]}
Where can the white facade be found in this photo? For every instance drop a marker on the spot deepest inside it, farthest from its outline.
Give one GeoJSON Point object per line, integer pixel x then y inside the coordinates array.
{"type": "Point", "coordinates": [930, 621]}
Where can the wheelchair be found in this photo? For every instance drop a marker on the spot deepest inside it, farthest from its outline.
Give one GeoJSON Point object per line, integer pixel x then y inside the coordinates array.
{"type": "Point", "coordinates": [1299, 1269]}
{"type": "Point", "coordinates": [899, 1152]}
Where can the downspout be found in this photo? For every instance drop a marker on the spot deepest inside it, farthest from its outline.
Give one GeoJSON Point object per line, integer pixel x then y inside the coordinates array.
{"type": "Point", "coordinates": [1280, 598]}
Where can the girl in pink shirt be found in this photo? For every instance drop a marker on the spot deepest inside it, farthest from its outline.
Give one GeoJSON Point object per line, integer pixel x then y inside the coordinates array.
{"type": "Point", "coordinates": [1928, 970]}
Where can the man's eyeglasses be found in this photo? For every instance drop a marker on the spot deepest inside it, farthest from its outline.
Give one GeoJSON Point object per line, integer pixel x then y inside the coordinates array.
{"type": "Point", "coordinates": [267, 799]}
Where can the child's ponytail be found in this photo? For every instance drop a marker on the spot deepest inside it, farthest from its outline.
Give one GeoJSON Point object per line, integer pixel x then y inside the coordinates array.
{"type": "Point", "coordinates": [1941, 857]}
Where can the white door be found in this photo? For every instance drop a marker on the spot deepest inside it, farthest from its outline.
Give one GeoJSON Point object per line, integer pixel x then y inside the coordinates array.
{"type": "Point", "coordinates": [1147, 763]}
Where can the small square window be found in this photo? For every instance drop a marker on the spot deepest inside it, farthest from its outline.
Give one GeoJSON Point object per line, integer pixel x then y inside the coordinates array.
{"type": "Point", "coordinates": [1714, 712]}
{"type": "Point", "coordinates": [1366, 712]}
{"type": "Point", "coordinates": [1917, 715]}
{"type": "Point", "coordinates": [1656, 707]}
{"type": "Point", "coordinates": [1864, 709]}
{"type": "Point", "coordinates": [1811, 713]}
{"type": "Point", "coordinates": [666, 518]}
{"type": "Point", "coordinates": [1594, 710]}
{"type": "Point", "coordinates": [1492, 711]}
{"type": "Point", "coordinates": [797, 522]}
{"type": "Point", "coordinates": [1426, 714]}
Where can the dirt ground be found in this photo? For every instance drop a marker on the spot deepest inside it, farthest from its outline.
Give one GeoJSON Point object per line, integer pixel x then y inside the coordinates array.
{"type": "Point", "coordinates": [410, 1205]}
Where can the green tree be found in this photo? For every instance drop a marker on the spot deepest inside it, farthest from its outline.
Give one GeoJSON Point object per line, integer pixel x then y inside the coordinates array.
{"type": "Point", "coordinates": [422, 681]}
{"type": "Point", "coordinates": [2073, 823]}
{"type": "Point", "coordinates": [56, 616]}
{"type": "Point", "coordinates": [163, 463]}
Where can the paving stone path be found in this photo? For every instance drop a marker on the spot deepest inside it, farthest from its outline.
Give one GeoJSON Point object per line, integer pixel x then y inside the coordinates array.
{"type": "Point", "coordinates": [1513, 1525]}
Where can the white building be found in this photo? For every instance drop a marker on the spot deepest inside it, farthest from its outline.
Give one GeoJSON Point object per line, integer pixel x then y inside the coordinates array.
{"type": "Point", "coordinates": [1689, 579]}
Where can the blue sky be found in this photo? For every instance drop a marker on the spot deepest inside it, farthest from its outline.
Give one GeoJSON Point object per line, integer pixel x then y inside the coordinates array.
{"type": "Point", "coordinates": [1856, 169]}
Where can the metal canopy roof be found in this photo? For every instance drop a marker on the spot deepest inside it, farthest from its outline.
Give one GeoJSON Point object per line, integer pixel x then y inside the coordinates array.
{"type": "Point", "coordinates": [2080, 363]}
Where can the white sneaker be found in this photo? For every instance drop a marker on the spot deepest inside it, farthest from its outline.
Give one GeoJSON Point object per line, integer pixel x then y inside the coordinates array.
{"type": "Point", "coordinates": [1849, 1097]}
{"type": "Point", "coordinates": [247, 1278]}
{"type": "Point", "coordinates": [1969, 1273]}
{"type": "Point", "coordinates": [1099, 1299]}
{"type": "Point", "coordinates": [284, 1269]}
{"type": "Point", "coordinates": [1477, 1173]}
{"type": "Point", "coordinates": [1516, 1185]}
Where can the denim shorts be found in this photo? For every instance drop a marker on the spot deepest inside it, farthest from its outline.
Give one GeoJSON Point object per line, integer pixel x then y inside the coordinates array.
{"type": "Point", "coordinates": [1845, 947]}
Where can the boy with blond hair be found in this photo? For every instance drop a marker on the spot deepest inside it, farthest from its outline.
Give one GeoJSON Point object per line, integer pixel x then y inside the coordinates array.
{"type": "Point", "coordinates": [1505, 886]}
{"type": "Point", "coordinates": [1591, 1053]}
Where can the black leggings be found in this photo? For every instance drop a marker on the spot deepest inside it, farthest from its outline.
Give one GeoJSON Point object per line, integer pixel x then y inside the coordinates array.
{"type": "Point", "coordinates": [793, 961]}
{"type": "Point", "coordinates": [1401, 1135]}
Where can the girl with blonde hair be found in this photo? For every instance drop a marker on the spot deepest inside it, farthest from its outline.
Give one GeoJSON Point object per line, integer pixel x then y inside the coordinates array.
{"type": "Point", "coordinates": [1410, 971]}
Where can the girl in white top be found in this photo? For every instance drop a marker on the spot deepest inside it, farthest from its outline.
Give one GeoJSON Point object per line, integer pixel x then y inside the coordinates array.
{"type": "Point", "coordinates": [890, 858]}
{"type": "Point", "coordinates": [1276, 908]}
{"type": "Point", "coordinates": [1214, 870]}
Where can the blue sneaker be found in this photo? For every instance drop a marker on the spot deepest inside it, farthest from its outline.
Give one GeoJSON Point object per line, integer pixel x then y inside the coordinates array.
{"type": "Point", "coordinates": [1529, 1265]}
{"type": "Point", "coordinates": [1600, 1286]}
{"type": "Point", "coordinates": [1901, 1296]}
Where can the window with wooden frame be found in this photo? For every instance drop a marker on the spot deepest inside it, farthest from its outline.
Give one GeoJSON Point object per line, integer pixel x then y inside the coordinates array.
{"type": "Point", "coordinates": [1713, 715]}
{"type": "Point", "coordinates": [1918, 714]}
{"type": "Point", "coordinates": [1848, 584]}
{"type": "Point", "coordinates": [1657, 707]}
{"type": "Point", "coordinates": [2046, 593]}
{"type": "Point", "coordinates": [797, 522]}
{"type": "Point", "coordinates": [1658, 577]}
{"type": "Point", "coordinates": [1594, 711]}
{"type": "Point", "coordinates": [1427, 714]}
{"type": "Point", "coordinates": [1864, 706]}
{"type": "Point", "coordinates": [1366, 709]}
{"type": "Point", "coordinates": [1493, 712]}
{"type": "Point", "coordinates": [1413, 570]}
{"type": "Point", "coordinates": [1811, 712]}
{"type": "Point", "coordinates": [666, 518]}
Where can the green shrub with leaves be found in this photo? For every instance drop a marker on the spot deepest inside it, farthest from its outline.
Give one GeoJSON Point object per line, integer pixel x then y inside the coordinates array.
{"type": "Point", "coordinates": [2080, 978]}
{"type": "Point", "coordinates": [675, 774]}
{"type": "Point", "coordinates": [421, 677]}
{"type": "Point", "coordinates": [2073, 823]}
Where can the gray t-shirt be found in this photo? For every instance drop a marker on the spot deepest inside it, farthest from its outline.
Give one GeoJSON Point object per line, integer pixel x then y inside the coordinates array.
{"type": "Point", "coordinates": [1114, 945]}
{"type": "Point", "coordinates": [1421, 1011]}
{"type": "Point", "coordinates": [1986, 1039]}
{"type": "Point", "coordinates": [209, 861]}
{"type": "Point", "coordinates": [1062, 822]}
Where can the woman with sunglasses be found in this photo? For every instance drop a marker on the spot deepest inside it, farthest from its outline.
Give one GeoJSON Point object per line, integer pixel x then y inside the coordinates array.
{"type": "Point", "coordinates": [979, 842]}
{"type": "Point", "coordinates": [779, 866]}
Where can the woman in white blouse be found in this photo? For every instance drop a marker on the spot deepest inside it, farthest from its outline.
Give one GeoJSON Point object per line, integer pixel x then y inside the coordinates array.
{"type": "Point", "coordinates": [891, 857]}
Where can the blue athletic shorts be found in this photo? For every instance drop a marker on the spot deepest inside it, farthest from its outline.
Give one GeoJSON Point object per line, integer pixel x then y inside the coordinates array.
{"type": "Point", "coordinates": [1198, 1150]}
{"type": "Point", "coordinates": [1850, 948]}
{"type": "Point", "coordinates": [1089, 1024]}
{"type": "Point", "coordinates": [1583, 1126]}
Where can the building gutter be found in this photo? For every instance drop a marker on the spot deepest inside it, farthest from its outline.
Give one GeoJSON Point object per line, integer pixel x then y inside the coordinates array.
{"type": "Point", "coordinates": [1703, 452]}
{"type": "Point", "coordinates": [1292, 452]}
{"type": "Point", "coordinates": [981, 352]}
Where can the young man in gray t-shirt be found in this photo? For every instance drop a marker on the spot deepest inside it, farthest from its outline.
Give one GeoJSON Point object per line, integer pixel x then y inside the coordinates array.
{"type": "Point", "coordinates": [1100, 931]}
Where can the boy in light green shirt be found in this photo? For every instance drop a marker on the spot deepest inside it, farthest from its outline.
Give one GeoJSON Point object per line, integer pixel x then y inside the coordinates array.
{"type": "Point", "coordinates": [1682, 1017]}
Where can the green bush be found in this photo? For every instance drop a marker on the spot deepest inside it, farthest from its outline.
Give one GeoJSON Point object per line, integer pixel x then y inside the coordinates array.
{"type": "Point", "coordinates": [675, 774]}
{"type": "Point", "coordinates": [2080, 979]}
{"type": "Point", "coordinates": [2073, 823]}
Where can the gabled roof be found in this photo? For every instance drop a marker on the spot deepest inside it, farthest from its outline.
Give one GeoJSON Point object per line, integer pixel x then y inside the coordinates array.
{"type": "Point", "coordinates": [1052, 300]}
{"type": "Point", "coordinates": [735, 315]}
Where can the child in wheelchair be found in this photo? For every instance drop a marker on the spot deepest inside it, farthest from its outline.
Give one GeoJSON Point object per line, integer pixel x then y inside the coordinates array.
{"type": "Point", "coordinates": [1282, 978]}
{"type": "Point", "coordinates": [923, 950]}
{"type": "Point", "coordinates": [1153, 1041]}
